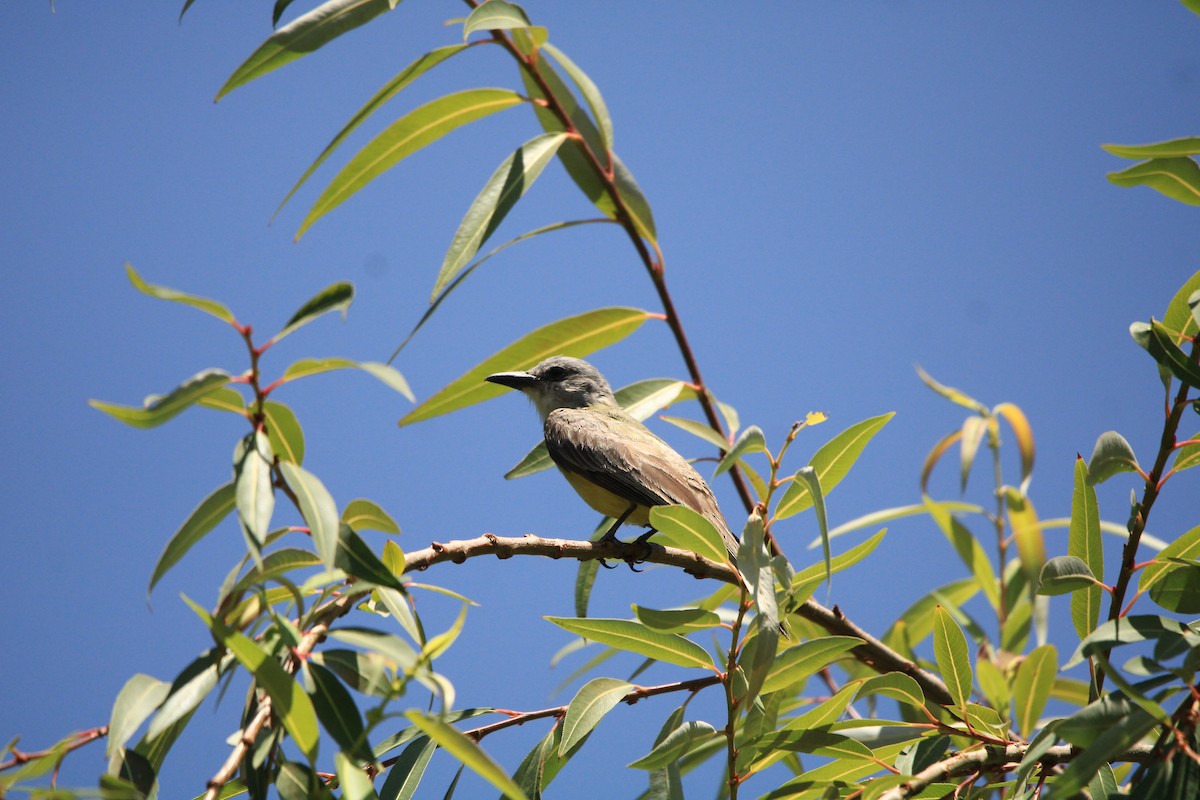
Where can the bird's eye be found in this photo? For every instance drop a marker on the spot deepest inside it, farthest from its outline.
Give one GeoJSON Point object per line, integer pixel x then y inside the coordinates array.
{"type": "Point", "coordinates": [554, 374]}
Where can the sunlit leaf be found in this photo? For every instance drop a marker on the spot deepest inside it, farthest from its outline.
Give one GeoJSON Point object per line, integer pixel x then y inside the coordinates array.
{"type": "Point", "coordinates": [1027, 532]}
{"type": "Point", "coordinates": [317, 508]}
{"type": "Point", "coordinates": [573, 336]}
{"type": "Point", "coordinates": [591, 94]}
{"type": "Point", "coordinates": [968, 548]}
{"type": "Point", "coordinates": [157, 409]}
{"type": "Point", "coordinates": [405, 775]}
{"type": "Point", "coordinates": [304, 35]}
{"type": "Point", "coordinates": [354, 783]}
{"type": "Point", "coordinates": [1171, 636]}
{"type": "Point", "coordinates": [1084, 543]}
{"type": "Point", "coordinates": [163, 293]}
{"type": "Point", "coordinates": [956, 396]}
{"type": "Point", "coordinates": [511, 180]}
{"type": "Point", "coordinates": [807, 579]}
{"type": "Point", "coordinates": [635, 637]}
{"type": "Point", "coordinates": [831, 464]}
{"type": "Point", "coordinates": [749, 441]}
{"type": "Point", "coordinates": [1176, 177]}
{"type": "Point", "coordinates": [188, 690]}
{"type": "Point", "coordinates": [1032, 685]}
{"type": "Point", "coordinates": [467, 751]}
{"type": "Point", "coordinates": [136, 701]}
{"type": "Point", "coordinates": [797, 663]}
{"type": "Point", "coordinates": [405, 136]}
{"type": "Point", "coordinates": [363, 515]}
{"type": "Point", "coordinates": [284, 432]}
{"type": "Point", "coordinates": [336, 297]}
{"type": "Point", "coordinates": [1178, 589]}
{"type": "Point", "coordinates": [255, 492]}
{"type": "Point", "coordinates": [677, 620]}
{"type": "Point", "coordinates": [676, 744]}
{"type": "Point", "coordinates": [224, 399]}
{"type": "Point", "coordinates": [953, 657]}
{"type": "Point", "coordinates": [700, 430]}
{"type": "Point", "coordinates": [807, 477]}
{"type": "Point", "coordinates": [684, 528]}
{"type": "Point", "coordinates": [1161, 344]}
{"type": "Point", "coordinates": [355, 558]}
{"type": "Point", "coordinates": [1063, 574]}
{"type": "Point", "coordinates": [206, 516]}
{"type": "Point", "coordinates": [589, 705]}
{"type": "Point", "coordinates": [497, 15]}
{"type": "Point", "coordinates": [1187, 146]}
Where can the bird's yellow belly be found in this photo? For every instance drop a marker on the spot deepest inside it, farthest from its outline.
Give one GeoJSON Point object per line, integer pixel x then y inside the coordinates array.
{"type": "Point", "coordinates": [606, 502]}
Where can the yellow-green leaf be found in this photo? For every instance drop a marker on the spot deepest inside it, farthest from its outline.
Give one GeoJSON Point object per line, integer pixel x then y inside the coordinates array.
{"type": "Point", "coordinates": [635, 637]}
{"type": "Point", "coordinates": [466, 750]}
{"type": "Point", "coordinates": [157, 409]}
{"type": "Point", "coordinates": [163, 293]}
{"type": "Point", "coordinates": [1084, 543]}
{"type": "Point", "coordinates": [831, 464]}
{"type": "Point", "coordinates": [1031, 688]}
{"type": "Point", "coordinates": [953, 658]}
{"type": "Point", "coordinates": [684, 528]}
{"type": "Point", "coordinates": [1176, 177]}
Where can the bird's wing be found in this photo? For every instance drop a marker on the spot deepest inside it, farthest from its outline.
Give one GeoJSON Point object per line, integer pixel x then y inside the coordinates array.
{"type": "Point", "coordinates": [615, 451]}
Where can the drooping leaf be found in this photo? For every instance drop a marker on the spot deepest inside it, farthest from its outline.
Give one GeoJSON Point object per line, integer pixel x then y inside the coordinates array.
{"type": "Point", "coordinates": [336, 297]}
{"type": "Point", "coordinates": [467, 751]}
{"type": "Point", "coordinates": [1161, 344]}
{"type": "Point", "coordinates": [1111, 455]}
{"type": "Point", "coordinates": [682, 527]}
{"type": "Point", "coordinates": [363, 515]}
{"type": "Point", "coordinates": [338, 713]}
{"type": "Point", "coordinates": [676, 744]}
{"type": "Point", "coordinates": [1187, 146]}
{"type": "Point", "coordinates": [1171, 636]}
{"type": "Point", "coordinates": [303, 35]}
{"type": "Point", "coordinates": [1023, 432]}
{"type": "Point", "coordinates": [1027, 532]}
{"type": "Point", "coordinates": [591, 94]}
{"type": "Point", "coordinates": [187, 691]}
{"type": "Point", "coordinates": [831, 463]}
{"type": "Point", "coordinates": [317, 508]}
{"type": "Point", "coordinates": [284, 432]}
{"type": "Point", "coordinates": [589, 705]}
{"type": "Point", "coordinates": [389, 90]}
{"type": "Point", "coordinates": [573, 336]}
{"type": "Point", "coordinates": [808, 478]}
{"type": "Point", "coordinates": [137, 700]}
{"type": "Point", "coordinates": [1178, 589]}
{"type": "Point", "coordinates": [206, 516]}
{"type": "Point", "coordinates": [968, 548]}
{"type": "Point", "coordinates": [797, 663]}
{"type": "Point", "coordinates": [392, 648]}
{"type": "Point", "coordinates": [953, 658]}
{"type": "Point", "coordinates": [163, 293]}
{"type": "Point", "coordinates": [405, 775]}
{"type": "Point", "coordinates": [255, 493]}
{"type": "Point", "coordinates": [635, 637]}
{"type": "Point", "coordinates": [1084, 543]}
{"type": "Point", "coordinates": [352, 780]}
{"type": "Point", "coordinates": [405, 136]}
{"type": "Point", "coordinates": [157, 409]}
{"type": "Point", "coordinates": [1032, 685]}
{"type": "Point", "coordinates": [749, 441]}
{"type": "Point", "coordinates": [498, 15]}
{"type": "Point", "coordinates": [1176, 177]}
{"type": "Point", "coordinates": [508, 184]}
{"type": "Point", "coordinates": [956, 396]}
{"type": "Point", "coordinates": [1064, 574]}
{"type": "Point", "coordinates": [355, 558]}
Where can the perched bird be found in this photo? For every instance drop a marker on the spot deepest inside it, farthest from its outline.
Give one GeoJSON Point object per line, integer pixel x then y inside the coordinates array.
{"type": "Point", "coordinates": [613, 461]}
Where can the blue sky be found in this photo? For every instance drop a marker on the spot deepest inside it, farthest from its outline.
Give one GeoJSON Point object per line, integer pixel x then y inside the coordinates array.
{"type": "Point", "coordinates": [841, 190]}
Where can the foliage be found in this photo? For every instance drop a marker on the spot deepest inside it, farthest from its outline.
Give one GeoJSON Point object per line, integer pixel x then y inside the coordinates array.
{"type": "Point", "coordinates": [325, 627]}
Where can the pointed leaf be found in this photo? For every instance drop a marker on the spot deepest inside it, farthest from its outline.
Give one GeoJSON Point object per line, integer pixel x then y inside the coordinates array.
{"type": "Point", "coordinates": [405, 775]}
{"type": "Point", "coordinates": [303, 35]}
{"type": "Point", "coordinates": [137, 700]}
{"type": "Point", "coordinates": [807, 477]}
{"type": "Point", "coordinates": [224, 399]}
{"type": "Point", "coordinates": [1024, 435]}
{"type": "Point", "coordinates": [206, 516]}
{"type": "Point", "coordinates": [1027, 532]}
{"type": "Point", "coordinates": [955, 396]}
{"type": "Point", "coordinates": [1084, 543]}
{"type": "Point", "coordinates": [1188, 146]}
{"type": "Point", "coordinates": [284, 432]}
{"type": "Point", "coordinates": [386, 93]}
{"type": "Point", "coordinates": [953, 658]}
{"type": "Point", "coordinates": [1161, 344]}
{"type": "Point", "coordinates": [681, 527]}
{"type": "Point", "coordinates": [591, 94]}
{"type": "Point", "coordinates": [336, 297]}
{"type": "Point", "coordinates": [317, 508]}
{"type": "Point", "coordinates": [163, 293]}
{"type": "Point", "coordinates": [896, 685]}
{"type": "Point", "coordinates": [1178, 178]}
{"type": "Point", "coordinates": [677, 743]}
{"type": "Point", "coordinates": [573, 336]}
{"type": "Point", "coordinates": [1031, 688]}
{"type": "Point", "coordinates": [1064, 574]}
{"type": "Point", "coordinates": [750, 441]}
{"type": "Point", "coordinates": [677, 620]}
{"type": "Point", "coordinates": [1170, 635]}
{"type": "Point", "coordinates": [500, 15]}
{"type": "Point", "coordinates": [1181, 312]}
{"type": "Point", "coordinates": [973, 429]}
{"type": "Point", "coordinates": [968, 548]}
{"type": "Point", "coordinates": [635, 637]}
{"type": "Point", "coordinates": [1111, 455]}
{"type": "Point", "coordinates": [589, 705]}
{"type": "Point", "coordinates": [508, 184]}
{"type": "Point", "coordinates": [352, 780]}
{"type": "Point", "coordinates": [159, 408]}
{"type": "Point", "coordinates": [799, 662]}
{"type": "Point", "coordinates": [831, 464]}
{"type": "Point", "coordinates": [255, 490]}
{"type": "Point", "coordinates": [467, 751]}
{"type": "Point", "coordinates": [807, 579]}
{"type": "Point", "coordinates": [1187, 456]}
{"type": "Point", "coordinates": [363, 515]}
{"type": "Point", "coordinates": [1178, 589]}
{"type": "Point", "coordinates": [405, 136]}
{"type": "Point", "coordinates": [701, 430]}
{"type": "Point", "coordinates": [338, 714]}
{"type": "Point", "coordinates": [187, 692]}
{"type": "Point", "coordinates": [355, 558]}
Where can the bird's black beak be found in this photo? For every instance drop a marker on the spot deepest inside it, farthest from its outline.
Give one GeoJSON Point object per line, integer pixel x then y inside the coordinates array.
{"type": "Point", "coordinates": [513, 380]}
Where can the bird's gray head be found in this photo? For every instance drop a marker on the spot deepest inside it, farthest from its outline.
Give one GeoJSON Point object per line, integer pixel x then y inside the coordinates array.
{"type": "Point", "coordinates": [559, 382]}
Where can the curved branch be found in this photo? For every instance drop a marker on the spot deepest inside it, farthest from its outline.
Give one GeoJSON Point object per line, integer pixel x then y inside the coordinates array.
{"type": "Point", "coordinates": [989, 757]}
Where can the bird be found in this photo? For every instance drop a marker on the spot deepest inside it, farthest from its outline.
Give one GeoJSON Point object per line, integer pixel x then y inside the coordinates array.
{"type": "Point", "coordinates": [613, 461]}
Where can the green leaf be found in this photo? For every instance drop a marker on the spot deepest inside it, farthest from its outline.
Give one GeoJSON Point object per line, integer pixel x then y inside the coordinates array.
{"type": "Point", "coordinates": [304, 35]}
{"type": "Point", "coordinates": [1112, 741]}
{"type": "Point", "coordinates": [635, 637]}
{"type": "Point", "coordinates": [797, 663]}
{"type": "Point", "coordinates": [953, 658]}
{"type": "Point", "coordinates": [467, 751]}
{"type": "Point", "coordinates": [636, 204]}
{"type": "Point", "coordinates": [157, 409]}
{"type": "Point", "coordinates": [206, 516]}
{"type": "Point", "coordinates": [1187, 146]}
{"type": "Point", "coordinates": [1178, 178]}
{"type": "Point", "coordinates": [1161, 344]}
{"type": "Point", "coordinates": [295, 782]}
{"type": "Point", "coordinates": [1171, 636]}
{"type": "Point", "coordinates": [684, 528]}
{"type": "Point", "coordinates": [163, 293]}
{"type": "Point", "coordinates": [274, 565]}
{"type": "Point", "coordinates": [508, 184]}
{"type": "Point", "coordinates": [405, 775]}
{"type": "Point", "coordinates": [1024, 435]}
{"type": "Point", "coordinates": [1187, 456]}
{"type": "Point", "coordinates": [389, 90]}
{"type": "Point", "coordinates": [224, 399]}
{"type": "Point", "coordinates": [392, 648]}
{"type": "Point", "coordinates": [750, 441]}
{"type": "Point", "coordinates": [896, 685]}
{"type": "Point", "coordinates": [1064, 574]}
{"type": "Point", "coordinates": [807, 477]}
{"type": "Point", "coordinates": [1180, 314]}
{"type": "Point", "coordinates": [971, 436]}
{"type": "Point", "coordinates": [137, 700]}
{"type": "Point", "coordinates": [1084, 543]}
{"type": "Point", "coordinates": [968, 548]}
{"type": "Point", "coordinates": [591, 94]}
{"type": "Point", "coordinates": [405, 136]}
{"type": "Point", "coordinates": [338, 714]}
{"type": "Point", "coordinates": [677, 620]}
{"type": "Point", "coordinates": [352, 780]}
{"type": "Point", "coordinates": [1027, 532]}
{"type": "Point", "coordinates": [336, 297]}
{"type": "Point", "coordinates": [495, 15]}
{"type": "Point", "coordinates": [1178, 589]}
{"type": "Point", "coordinates": [317, 508]}
{"type": "Point", "coordinates": [1031, 688]}
{"type": "Point", "coordinates": [363, 515]}
{"type": "Point", "coordinates": [573, 336]}
{"type": "Point", "coordinates": [284, 432]}
{"type": "Point", "coordinates": [831, 464]}
{"type": "Point", "coordinates": [255, 491]}
{"type": "Point", "coordinates": [187, 692]}
{"type": "Point", "coordinates": [1111, 455]}
{"type": "Point", "coordinates": [956, 396]}
{"type": "Point", "coordinates": [676, 744]}
{"type": "Point", "coordinates": [1186, 548]}
{"type": "Point", "coordinates": [701, 430]}
{"type": "Point", "coordinates": [355, 558]}
{"type": "Point", "coordinates": [589, 705]}
{"type": "Point", "coordinates": [807, 579]}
